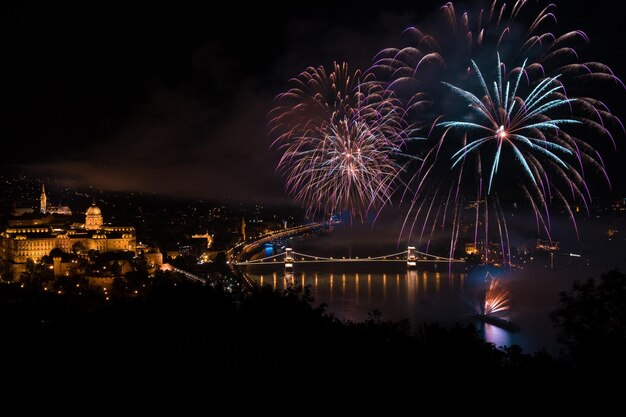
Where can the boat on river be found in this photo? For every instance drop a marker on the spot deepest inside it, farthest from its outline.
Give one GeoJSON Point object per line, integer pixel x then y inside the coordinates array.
{"type": "Point", "coordinates": [498, 322]}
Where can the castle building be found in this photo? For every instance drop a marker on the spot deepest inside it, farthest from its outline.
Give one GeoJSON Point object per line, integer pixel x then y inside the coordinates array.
{"type": "Point", "coordinates": [18, 243]}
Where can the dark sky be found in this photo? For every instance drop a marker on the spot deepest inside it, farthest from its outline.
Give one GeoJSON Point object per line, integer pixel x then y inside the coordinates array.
{"type": "Point", "coordinates": [172, 98]}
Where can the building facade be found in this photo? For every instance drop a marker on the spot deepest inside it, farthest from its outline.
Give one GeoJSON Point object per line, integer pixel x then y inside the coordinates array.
{"type": "Point", "coordinates": [19, 243]}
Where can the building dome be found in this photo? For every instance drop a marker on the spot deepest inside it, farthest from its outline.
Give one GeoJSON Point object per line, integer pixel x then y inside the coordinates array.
{"type": "Point", "coordinates": [93, 218]}
{"type": "Point", "coordinates": [93, 211]}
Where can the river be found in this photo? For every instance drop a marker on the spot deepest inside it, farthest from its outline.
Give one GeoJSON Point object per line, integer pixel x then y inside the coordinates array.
{"type": "Point", "coordinates": [432, 293]}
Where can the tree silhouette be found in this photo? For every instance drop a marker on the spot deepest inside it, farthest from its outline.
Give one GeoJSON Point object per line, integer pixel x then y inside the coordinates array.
{"type": "Point", "coordinates": [56, 252]}
{"type": "Point", "coordinates": [79, 248]}
{"type": "Point", "coordinates": [591, 322]}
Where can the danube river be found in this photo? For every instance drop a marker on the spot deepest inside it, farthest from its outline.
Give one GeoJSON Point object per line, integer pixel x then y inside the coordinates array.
{"type": "Point", "coordinates": [353, 293]}
{"type": "Point", "coordinates": [435, 294]}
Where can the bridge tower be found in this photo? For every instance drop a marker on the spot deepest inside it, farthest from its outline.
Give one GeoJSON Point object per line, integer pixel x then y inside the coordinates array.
{"type": "Point", "coordinates": [289, 260]}
{"type": "Point", "coordinates": [411, 258]}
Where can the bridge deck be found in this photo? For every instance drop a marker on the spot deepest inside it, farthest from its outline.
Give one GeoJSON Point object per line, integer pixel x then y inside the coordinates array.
{"type": "Point", "coordinates": [411, 255]}
{"type": "Point", "coordinates": [352, 260]}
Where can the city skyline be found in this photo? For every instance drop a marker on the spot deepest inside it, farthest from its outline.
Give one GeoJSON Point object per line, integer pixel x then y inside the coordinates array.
{"type": "Point", "coordinates": [213, 201]}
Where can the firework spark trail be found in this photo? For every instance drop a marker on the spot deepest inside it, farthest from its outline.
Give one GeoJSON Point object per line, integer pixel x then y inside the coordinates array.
{"type": "Point", "coordinates": [340, 136]}
{"type": "Point", "coordinates": [440, 61]}
{"type": "Point", "coordinates": [506, 122]}
{"type": "Point", "coordinates": [340, 133]}
{"type": "Point", "coordinates": [459, 37]}
{"type": "Point", "coordinates": [497, 297]}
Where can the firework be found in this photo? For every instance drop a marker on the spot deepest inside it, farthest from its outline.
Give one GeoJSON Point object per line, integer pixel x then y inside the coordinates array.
{"type": "Point", "coordinates": [490, 297]}
{"type": "Point", "coordinates": [497, 297]}
{"type": "Point", "coordinates": [551, 132]}
{"type": "Point", "coordinates": [338, 135]}
{"type": "Point", "coordinates": [443, 51]}
{"type": "Point", "coordinates": [525, 128]}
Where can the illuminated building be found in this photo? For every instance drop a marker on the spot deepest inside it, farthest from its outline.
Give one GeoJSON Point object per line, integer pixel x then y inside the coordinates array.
{"type": "Point", "coordinates": [27, 207]}
{"type": "Point", "coordinates": [207, 236]}
{"type": "Point", "coordinates": [93, 218]}
{"type": "Point", "coordinates": [62, 210]}
{"type": "Point", "coordinates": [19, 243]}
{"type": "Point", "coordinates": [547, 245]}
{"type": "Point", "coordinates": [471, 249]}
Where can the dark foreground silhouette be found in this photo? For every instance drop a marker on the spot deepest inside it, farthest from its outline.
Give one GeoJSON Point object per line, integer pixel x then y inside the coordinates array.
{"type": "Point", "coordinates": [180, 338]}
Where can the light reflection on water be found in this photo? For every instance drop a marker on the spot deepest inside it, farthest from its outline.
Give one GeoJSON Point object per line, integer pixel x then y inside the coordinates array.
{"type": "Point", "coordinates": [421, 296]}
{"type": "Point", "coordinates": [496, 335]}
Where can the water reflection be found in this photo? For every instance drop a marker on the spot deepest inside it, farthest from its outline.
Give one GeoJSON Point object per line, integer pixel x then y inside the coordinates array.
{"type": "Point", "coordinates": [496, 335]}
{"type": "Point", "coordinates": [429, 296]}
{"type": "Point", "coordinates": [419, 295]}
{"type": "Point", "coordinates": [430, 282]}
{"type": "Point", "coordinates": [398, 286]}
{"type": "Point", "coordinates": [288, 280]}
{"type": "Point", "coordinates": [412, 286]}
{"type": "Point", "coordinates": [384, 287]}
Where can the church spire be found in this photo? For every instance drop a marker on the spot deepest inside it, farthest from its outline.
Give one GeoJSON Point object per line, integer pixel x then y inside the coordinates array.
{"type": "Point", "coordinates": [43, 200]}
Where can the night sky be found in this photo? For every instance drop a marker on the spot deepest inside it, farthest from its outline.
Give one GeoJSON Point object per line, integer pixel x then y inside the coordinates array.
{"type": "Point", "coordinates": [173, 98]}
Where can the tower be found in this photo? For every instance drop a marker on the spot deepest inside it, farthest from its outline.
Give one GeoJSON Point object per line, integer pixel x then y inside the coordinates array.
{"type": "Point", "coordinates": [289, 260]}
{"type": "Point", "coordinates": [411, 258]}
{"type": "Point", "coordinates": [243, 228]}
{"type": "Point", "coordinates": [43, 200]}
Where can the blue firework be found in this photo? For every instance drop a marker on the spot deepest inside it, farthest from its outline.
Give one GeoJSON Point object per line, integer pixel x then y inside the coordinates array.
{"type": "Point", "coordinates": [521, 125]}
